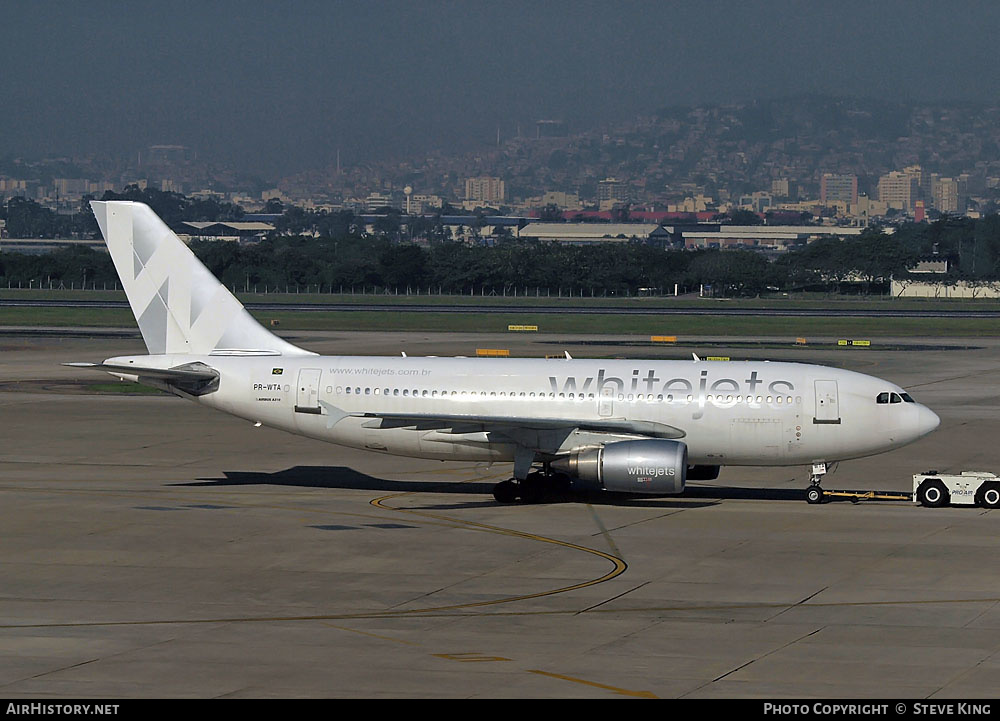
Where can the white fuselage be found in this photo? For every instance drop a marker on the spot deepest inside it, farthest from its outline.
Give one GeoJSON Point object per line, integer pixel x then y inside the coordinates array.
{"type": "Point", "coordinates": [730, 413]}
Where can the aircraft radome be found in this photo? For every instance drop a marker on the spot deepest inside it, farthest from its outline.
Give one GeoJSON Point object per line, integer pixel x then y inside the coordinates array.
{"type": "Point", "coordinates": [631, 426]}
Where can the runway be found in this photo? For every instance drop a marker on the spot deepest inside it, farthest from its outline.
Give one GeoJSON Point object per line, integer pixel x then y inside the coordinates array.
{"type": "Point", "coordinates": [154, 548]}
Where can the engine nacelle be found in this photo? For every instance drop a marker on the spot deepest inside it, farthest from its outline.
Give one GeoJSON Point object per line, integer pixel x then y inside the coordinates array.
{"type": "Point", "coordinates": [653, 466]}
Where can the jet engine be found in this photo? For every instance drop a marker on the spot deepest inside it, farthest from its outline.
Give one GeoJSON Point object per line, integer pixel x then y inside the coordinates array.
{"type": "Point", "coordinates": [650, 466]}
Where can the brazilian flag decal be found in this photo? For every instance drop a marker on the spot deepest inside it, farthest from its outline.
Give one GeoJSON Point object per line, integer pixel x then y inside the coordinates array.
{"type": "Point", "coordinates": [277, 371]}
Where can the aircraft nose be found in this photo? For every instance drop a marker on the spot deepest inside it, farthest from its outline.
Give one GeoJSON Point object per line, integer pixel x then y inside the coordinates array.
{"type": "Point", "coordinates": [927, 420]}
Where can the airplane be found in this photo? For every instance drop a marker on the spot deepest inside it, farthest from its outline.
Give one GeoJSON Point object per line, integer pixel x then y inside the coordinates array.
{"type": "Point", "coordinates": [618, 426]}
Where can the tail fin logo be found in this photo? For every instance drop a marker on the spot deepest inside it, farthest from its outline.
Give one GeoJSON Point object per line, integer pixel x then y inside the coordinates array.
{"type": "Point", "coordinates": [179, 305]}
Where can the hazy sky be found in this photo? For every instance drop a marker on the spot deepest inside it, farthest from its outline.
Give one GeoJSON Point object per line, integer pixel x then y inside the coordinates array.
{"type": "Point", "coordinates": [276, 87]}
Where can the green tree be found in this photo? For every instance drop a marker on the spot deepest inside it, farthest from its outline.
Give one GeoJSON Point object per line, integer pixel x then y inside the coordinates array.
{"type": "Point", "coordinates": [273, 205]}
{"type": "Point", "coordinates": [875, 257]}
{"type": "Point", "coordinates": [744, 217]}
{"type": "Point", "coordinates": [388, 225]}
{"type": "Point", "coordinates": [731, 272]}
{"type": "Point", "coordinates": [403, 265]}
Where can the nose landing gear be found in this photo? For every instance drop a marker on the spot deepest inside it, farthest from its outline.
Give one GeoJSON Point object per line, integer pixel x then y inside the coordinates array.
{"type": "Point", "coordinates": [814, 494]}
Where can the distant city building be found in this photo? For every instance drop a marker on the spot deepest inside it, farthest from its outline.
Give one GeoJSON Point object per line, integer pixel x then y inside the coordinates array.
{"type": "Point", "coordinates": [377, 201]}
{"type": "Point", "coordinates": [784, 188]}
{"type": "Point", "coordinates": [275, 194]}
{"type": "Point", "coordinates": [611, 191]}
{"type": "Point", "coordinates": [937, 264]}
{"type": "Point", "coordinates": [758, 201]}
{"type": "Point", "coordinates": [899, 190]}
{"type": "Point", "coordinates": [485, 189]}
{"type": "Point", "coordinates": [865, 209]}
{"type": "Point", "coordinates": [244, 199]}
{"type": "Point", "coordinates": [946, 195]}
{"type": "Point", "coordinates": [16, 187]}
{"type": "Point", "coordinates": [243, 230]}
{"type": "Point", "coordinates": [208, 194]}
{"type": "Point", "coordinates": [593, 233]}
{"type": "Point", "coordinates": [424, 203]}
{"type": "Point", "coordinates": [696, 204]}
{"type": "Point", "coordinates": [563, 201]}
{"type": "Point", "coordinates": [835, 187]}
{"type": "Point", "coordinates": [971, 184]}
{"type": "Point", "coordinates": [774, 237]}
{"type": "Point", "coordinates": [465, 228]}
{"type": "Point", "coordinates": [70, 186]}
{"type": "Point", "coordinates": [923, 181]}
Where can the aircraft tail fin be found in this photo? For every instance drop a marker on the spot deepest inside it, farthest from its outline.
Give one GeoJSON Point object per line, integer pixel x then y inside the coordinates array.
{"type": "Point", "coordinates": [179, 305]}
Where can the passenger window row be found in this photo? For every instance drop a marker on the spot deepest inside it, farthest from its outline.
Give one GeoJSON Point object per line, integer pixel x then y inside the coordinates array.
{"type": "Point", "coordinates": [641, 398]}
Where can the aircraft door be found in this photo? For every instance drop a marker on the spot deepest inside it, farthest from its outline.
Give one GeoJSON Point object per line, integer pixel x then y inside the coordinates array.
{"type": "Point", "coordinates": [755, 438]}
{"type": "Point", "coordinates": [307, 391]}
{"type": "Point", "coordinates": [827, 403]}
{"type": "Point", "coordinates": [606, 402]}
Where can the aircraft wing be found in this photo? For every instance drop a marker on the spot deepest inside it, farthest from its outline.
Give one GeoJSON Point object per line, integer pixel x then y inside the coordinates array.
{"type": "Point", "coordinates": [602, 425]}
{"type": "Point", "coordinates": [544, 435]}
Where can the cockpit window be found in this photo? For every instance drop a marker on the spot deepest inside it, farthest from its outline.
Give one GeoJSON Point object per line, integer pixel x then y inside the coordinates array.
{"type": "Point", "coordinates": [894, 398]}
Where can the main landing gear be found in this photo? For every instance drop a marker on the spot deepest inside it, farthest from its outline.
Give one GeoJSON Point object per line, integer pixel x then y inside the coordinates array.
{"type": "Point", "coordinates": [506, 491]}
{"type": "Point", "coordinates": [814, 494]}
{"type": "Point", "coordinates": [532, 489]}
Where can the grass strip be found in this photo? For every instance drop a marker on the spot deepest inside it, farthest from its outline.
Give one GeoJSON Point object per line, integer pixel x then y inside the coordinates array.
{"type": "Point", "coordinates": [586, 324]}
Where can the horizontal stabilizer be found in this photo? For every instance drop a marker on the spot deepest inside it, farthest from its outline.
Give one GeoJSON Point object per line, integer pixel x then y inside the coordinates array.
{"type": "Point", "coordinates": [193, 378]}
